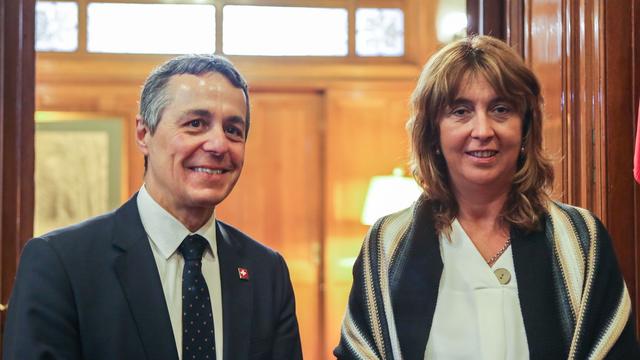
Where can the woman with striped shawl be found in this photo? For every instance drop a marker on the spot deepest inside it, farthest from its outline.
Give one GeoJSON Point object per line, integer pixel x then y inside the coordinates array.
{"type": "Point", "coordinates": [485, 265]}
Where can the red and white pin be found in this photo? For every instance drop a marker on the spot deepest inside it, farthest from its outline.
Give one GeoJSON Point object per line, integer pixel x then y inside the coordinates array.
{"type": "Point", "coordinates": [243, 274]}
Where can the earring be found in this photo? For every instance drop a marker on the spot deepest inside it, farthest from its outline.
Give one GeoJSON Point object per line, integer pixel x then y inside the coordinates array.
{"type": "Point", "coordinates": [438, 151]}
{"type": "Point", "coordinates": [522, 150]}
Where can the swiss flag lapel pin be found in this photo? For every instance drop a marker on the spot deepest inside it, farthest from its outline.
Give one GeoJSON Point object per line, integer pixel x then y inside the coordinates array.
{"type": "Point", "coordinates": [243, 274]}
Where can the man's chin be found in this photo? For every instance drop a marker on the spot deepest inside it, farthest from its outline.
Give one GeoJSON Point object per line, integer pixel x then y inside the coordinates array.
{"type": "Point", "coordinates": [208, 200]}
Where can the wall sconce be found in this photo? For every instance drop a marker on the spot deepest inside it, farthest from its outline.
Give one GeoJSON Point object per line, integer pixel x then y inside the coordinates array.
{"type": "Point", "coordinates": [388, 194]}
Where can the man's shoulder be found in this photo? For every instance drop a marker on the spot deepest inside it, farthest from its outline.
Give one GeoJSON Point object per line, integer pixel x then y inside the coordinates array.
{"type": "Point", "coordinates": [94, 224]}
{"type": "Point", "coordinates": [80, 235]}
{"type": "Point", "coordinates": [93, 231]}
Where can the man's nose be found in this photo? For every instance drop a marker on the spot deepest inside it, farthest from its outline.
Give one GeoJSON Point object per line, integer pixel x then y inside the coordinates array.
{"type": "Point", "coordinates": [216, 141]}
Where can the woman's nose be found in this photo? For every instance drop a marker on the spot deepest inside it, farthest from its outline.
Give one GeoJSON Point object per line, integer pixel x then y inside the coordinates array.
{"type": "Point", "coordinates": [482, 126]}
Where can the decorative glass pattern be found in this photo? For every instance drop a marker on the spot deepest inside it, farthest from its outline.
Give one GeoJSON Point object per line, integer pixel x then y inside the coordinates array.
{"type": "Point", "coordinates": [379, 32]}
{"type": "Point", "coordinates": [56, 26]}
{"type": "Point", "coordinates": [284, 31]}
{"type": "Point", "coordinates": [150, 28]}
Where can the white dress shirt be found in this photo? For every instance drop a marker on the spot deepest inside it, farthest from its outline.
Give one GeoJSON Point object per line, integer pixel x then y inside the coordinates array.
{"type": "Point", "coordinates": [476, 317]}
{"type": "Point", "coordinates": [165, 234]}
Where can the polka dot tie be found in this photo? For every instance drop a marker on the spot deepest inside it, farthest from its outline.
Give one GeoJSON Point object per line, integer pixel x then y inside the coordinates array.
{"type": "Point", "coordinates": [198, 341]}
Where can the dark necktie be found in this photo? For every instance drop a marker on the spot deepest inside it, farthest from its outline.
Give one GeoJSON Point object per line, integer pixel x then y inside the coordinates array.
{"type": "Point", "coordinates": [198, 341]}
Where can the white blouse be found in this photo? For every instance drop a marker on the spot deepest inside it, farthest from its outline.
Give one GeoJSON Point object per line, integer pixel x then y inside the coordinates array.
{"type": "Point", "coordinates": [476, 316]}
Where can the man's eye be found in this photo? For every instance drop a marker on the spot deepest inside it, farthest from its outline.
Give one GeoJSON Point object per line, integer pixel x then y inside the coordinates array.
{"type": "Point", "coordinates": [195, 123]}
{"type": "Point", "coordinates": [234, 131]}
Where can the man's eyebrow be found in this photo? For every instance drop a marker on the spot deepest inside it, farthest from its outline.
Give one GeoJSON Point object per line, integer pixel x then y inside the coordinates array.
{"type": "Point", "coordinates": [197, 112]}
{"type": "Point", "coordinates": [235, 119]}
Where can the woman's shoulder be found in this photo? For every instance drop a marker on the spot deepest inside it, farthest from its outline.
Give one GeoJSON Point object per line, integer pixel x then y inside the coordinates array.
{"type": "Point", "coordinates": [389, 231]}
{"type": "Point", "coordinates": [558, 210]}
{"type": "Point", "coordinates": [574, 222]}
{"type": "Point", "coordinates": [571, 210]}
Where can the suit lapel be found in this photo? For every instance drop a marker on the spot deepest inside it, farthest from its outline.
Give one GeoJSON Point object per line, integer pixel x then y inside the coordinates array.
{"type": "Point", "coordinates": [415, 283]}
{"type": "Point", "coordinates": [138, 275]}
{"type": "Point", "coordinates": [237, 295]}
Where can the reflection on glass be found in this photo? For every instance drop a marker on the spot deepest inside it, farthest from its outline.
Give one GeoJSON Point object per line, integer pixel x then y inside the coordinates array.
{"type": "Point", "coordinates": [379, 32]}
{"type": "Point", "coordinates": [452, 20]}
{"type": "Point", "coordinates": [150, 28]}
{"type": "Point", "coordinates": [56, 26]}
{"type": "Point", "coordinates": [282, 31]}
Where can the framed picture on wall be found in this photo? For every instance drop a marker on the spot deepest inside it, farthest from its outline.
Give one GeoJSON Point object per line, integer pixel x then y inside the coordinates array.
{"type": "Point", "coordinates": [78, 167]}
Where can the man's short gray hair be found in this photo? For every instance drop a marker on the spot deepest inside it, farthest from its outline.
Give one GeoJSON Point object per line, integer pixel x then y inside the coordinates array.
{"type": "Point", "coordinates": [154, 98]}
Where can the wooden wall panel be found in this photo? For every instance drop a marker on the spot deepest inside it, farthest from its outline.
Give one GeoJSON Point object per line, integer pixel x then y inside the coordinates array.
{"type": "Point", "coordinates": [543, 53]}
{"type": "Point", "coordinates": [487, 17]}
{"type": "Point", "coordinates": [620, 104]}
{"type": "Point", "coordinates": [585, 55]}
{"type": "Point", "coordinates": [365, 137]}
{"type": "Point", "coordinates": [278, 199]}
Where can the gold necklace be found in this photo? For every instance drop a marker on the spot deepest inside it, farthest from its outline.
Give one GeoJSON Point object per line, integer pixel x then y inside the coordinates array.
{"type": "Point", "coordinates": [500, 252]}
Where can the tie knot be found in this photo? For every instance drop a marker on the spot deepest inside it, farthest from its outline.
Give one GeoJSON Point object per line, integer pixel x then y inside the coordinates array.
{"type": "Point", "coordinates": [192, 247]}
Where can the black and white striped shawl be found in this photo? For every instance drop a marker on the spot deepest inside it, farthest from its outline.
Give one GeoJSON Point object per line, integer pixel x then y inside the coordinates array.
{"type": "Point", "coordinates": [573, 299]}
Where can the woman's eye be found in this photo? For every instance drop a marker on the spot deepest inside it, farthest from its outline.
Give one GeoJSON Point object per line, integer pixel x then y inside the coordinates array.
{"type": "Point", "coordinates": [459, 111]}
{"type": "Point", "coordinates": [502, 109]}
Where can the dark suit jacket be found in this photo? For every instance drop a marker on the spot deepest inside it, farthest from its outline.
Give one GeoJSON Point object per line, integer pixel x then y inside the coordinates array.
{"type": "Point", "coordinates": [92, 291]}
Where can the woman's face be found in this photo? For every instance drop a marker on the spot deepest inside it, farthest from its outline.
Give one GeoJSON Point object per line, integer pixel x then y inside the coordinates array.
{"type": "Point", "coordinates": [480, 138]}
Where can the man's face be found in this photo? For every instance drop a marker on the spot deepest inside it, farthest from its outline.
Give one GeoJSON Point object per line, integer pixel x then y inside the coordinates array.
{"type": "Point", "coordinates": [196, 154]}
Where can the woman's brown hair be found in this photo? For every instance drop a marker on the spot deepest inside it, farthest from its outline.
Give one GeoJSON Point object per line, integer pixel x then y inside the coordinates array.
{"type": "Point", "coordinates": [437, 88]}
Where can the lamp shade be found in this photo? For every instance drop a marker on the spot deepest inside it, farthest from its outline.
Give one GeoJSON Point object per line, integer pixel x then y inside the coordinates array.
{"type": "Point", "coordinates": [388, 194]}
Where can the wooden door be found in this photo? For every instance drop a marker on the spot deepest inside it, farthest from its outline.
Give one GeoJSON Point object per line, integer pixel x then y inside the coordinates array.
{"type": "Point", "coordinates": [365, 137]}
{"type": "Point", "coordinates": [278, 199]}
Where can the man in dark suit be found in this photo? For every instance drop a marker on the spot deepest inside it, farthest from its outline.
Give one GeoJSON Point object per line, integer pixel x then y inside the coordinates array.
{"type": "Point", "coordinates": [160, 278]}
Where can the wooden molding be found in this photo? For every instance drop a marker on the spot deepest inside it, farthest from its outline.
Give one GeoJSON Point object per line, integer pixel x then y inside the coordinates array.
{"type": "Point", "coordinates": [488, 17]}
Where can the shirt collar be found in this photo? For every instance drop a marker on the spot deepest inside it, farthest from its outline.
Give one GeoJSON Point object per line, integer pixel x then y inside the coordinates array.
{"type": "Point", "coordinates": [167, 232]}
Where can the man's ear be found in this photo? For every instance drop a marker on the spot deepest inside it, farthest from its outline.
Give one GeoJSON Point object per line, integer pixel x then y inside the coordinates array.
{"type": "Point", "coordinates": [142, 135]}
